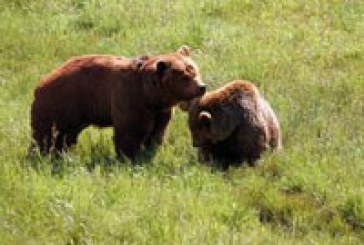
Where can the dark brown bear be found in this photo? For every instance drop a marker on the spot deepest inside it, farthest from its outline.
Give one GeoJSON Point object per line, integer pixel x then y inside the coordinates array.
{"type": "Point", "coordinates": [135, 96]}
{"type": "Point", "coordinates": [233, 124]}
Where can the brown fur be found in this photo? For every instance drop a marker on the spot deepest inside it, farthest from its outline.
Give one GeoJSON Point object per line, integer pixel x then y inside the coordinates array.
{"type": "Point", "coordinates": [134, 96]}
{"type": "Point", "coordinates": [233, 124]}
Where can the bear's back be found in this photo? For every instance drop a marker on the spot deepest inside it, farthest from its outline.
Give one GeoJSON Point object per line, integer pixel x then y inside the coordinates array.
{"type": "Point", "coordinates": [90, 65]}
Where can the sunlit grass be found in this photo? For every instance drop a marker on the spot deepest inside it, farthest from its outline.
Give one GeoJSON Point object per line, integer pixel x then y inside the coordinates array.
{"type": "Point", "coordinates": [305, 56]}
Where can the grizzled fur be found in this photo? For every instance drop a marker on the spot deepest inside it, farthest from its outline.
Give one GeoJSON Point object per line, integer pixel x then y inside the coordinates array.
{"type": "Point", "coordinates": [233, 124]}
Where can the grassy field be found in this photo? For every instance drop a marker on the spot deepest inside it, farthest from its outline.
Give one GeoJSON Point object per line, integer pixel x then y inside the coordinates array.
{"type": "Point", "coordinates": [307, 58]}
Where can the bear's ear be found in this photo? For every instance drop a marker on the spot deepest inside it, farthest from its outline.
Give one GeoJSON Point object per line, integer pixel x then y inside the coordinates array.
{"type": "Point", "coordinates": [205, 118]}
{"type": "Point", "coordinates": [184, 50]}
{"type": "Point", "coordinates": [162, 67]}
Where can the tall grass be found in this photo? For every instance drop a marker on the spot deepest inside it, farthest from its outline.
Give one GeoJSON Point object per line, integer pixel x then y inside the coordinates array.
{"type": "Point", "coordinates": [305, 56]}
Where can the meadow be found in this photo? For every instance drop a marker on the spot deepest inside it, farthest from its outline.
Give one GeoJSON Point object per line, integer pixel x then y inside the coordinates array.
{"type": "Point", "coordinates": [306, 57]}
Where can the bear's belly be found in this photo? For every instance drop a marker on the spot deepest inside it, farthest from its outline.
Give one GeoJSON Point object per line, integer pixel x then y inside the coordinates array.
{"type": "Point", "coordinates": [101, 122]}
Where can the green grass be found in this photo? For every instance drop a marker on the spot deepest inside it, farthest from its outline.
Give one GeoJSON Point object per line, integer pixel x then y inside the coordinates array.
{"type": "Point", "coordinates": [307, 58]}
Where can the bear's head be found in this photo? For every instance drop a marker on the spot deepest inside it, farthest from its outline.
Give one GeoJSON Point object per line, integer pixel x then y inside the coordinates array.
{"type": "Point", "coordinates": [211, 123]}
{"type": "Point", "coordinates": [200, 123]}
{"type": "Point", "coordinates": [215, 116]}
{"type": "Point", "coordinates": [175, 76]}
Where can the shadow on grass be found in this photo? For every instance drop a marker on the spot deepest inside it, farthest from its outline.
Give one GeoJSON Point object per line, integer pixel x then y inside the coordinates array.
{"type": "Point", "coordinates": [96, 156]}
{"type": "Point", "coordinates": [107, 161]}
{"type": "Point", "coordinates": [224, 165]}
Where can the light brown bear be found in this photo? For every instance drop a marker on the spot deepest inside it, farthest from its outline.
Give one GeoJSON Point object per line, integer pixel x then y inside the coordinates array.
{"type": "Point", "coordinates": [134, 96]}
{"type": "Point", "coordinates": [233, 124]}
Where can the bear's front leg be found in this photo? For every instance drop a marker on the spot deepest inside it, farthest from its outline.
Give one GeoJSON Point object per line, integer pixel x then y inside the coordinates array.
{"type": "Point", "coordinates": [128, 139]}
{"type": "Point", "coordinates": [160, 126]}
{"type": "Point", "coordinates": [205, 155]}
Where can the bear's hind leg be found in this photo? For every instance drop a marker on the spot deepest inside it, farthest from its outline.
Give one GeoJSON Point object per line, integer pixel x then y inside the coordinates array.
{"type": "Point", "coordinates": [72, 135]}
{"type": "Point", "coordinates": [71, 139]}
{"type": "Point", "coordinates": [42, 138]}
{"type": "Point", "coordinates": [63, 139]}
{"type": "Point", "coordinates": [59, 142]}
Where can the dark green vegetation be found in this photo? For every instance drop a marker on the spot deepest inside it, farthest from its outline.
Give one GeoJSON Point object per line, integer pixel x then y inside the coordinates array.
{"type": "Point", "coordinates": [307, 58]}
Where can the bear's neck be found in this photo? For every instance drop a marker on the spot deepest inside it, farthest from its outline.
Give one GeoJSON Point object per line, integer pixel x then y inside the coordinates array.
{"type": "Point", "coordinates": [155, 98]}
{"type": "Point", "coordinates": [159, 101]}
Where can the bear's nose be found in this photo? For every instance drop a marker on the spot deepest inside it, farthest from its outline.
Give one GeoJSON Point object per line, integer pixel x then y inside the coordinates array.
{"type": "Point", "coordinates": [202, 89]}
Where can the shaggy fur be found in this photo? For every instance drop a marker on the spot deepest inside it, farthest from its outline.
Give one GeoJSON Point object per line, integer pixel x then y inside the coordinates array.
{"type": "Point", "coordinates": [233, 124]}
{"type": "Point", "coordinates": [134, 96]}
